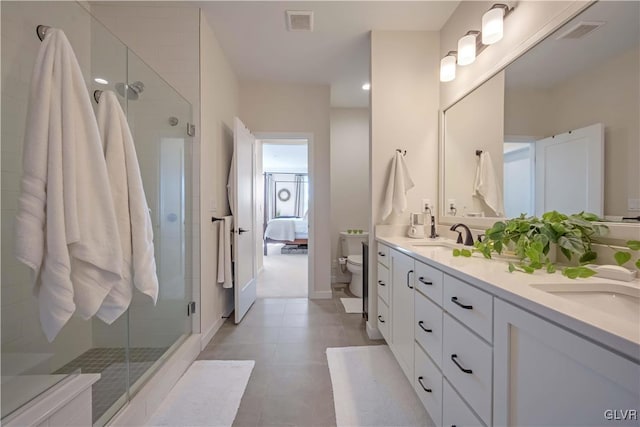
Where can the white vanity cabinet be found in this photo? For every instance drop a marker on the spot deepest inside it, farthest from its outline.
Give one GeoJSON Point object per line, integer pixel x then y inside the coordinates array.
{"type": "Point", "coordinates": [384, 293]}
{"type": "Point", "coordinates": [545, 375]}
{"type": "Point", "coordinates": [402, 313]}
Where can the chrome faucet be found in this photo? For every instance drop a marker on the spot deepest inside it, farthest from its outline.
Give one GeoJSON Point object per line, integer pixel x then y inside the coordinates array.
{"type": "Point", "coordinates": [468, 239]}
{"type": "Point", "coordinates": [433, 234]}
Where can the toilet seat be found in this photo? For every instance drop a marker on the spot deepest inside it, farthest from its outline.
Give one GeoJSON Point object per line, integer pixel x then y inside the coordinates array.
{"type": "Point", "coordinates": [355, 260]}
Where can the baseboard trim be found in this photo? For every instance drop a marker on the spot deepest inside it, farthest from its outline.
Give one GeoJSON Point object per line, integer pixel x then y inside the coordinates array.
{"type": "Point", "coordinates": [373, 332]}
{"type": "Point", "coordinates": [320, 295]}
{"type": "Point", "coordinates": [208, 336]}
{"type": "Point", "coordinates": [148, 399]}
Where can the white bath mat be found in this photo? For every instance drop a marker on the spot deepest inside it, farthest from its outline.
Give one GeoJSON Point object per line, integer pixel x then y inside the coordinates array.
{"type": "Point", "coordinates": [370, 389]}
{"type": "Point", "coordinates": [208, 394]}
{"type": "Point", "coordinates": [352, 305]}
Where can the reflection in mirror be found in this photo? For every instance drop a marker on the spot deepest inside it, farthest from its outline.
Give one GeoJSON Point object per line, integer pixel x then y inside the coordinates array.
{"type": "Point", "coordinates": [565, 133]}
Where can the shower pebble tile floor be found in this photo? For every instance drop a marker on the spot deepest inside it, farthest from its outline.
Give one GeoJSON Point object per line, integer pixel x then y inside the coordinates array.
{"type": "Point", "coordinates": [290, 384]}
{"type": "Point", "coordinates": [110, 364]}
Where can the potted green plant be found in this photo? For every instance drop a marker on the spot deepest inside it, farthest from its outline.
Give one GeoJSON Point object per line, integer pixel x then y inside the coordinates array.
{"type": "Point", "coordinates": [530, 240]}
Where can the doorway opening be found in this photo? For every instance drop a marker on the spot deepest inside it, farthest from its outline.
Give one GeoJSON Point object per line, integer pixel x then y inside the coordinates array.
{"type": "Point", "coordinates": [282, 217]}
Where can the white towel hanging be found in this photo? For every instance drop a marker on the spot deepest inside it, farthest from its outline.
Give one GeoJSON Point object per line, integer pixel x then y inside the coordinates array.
{"type": "Point", "coordinates": [486, 185]}
{"type": "Point", "coordinates": [132, 212]}
{"type": "Point", "coordinates": [397, 186]}
{"type": "Point", "coordinates": [225, 236]}
{"type": "Point", "coordinates": [66, 229]}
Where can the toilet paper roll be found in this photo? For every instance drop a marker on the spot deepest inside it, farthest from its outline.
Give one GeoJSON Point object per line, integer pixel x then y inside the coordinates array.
{"type": "Point", "coordinates": [342, 261]}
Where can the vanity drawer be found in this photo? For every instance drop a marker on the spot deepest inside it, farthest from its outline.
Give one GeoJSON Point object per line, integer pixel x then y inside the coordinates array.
{"type": "Point", "coordinates": [428, 385]}
{"type": "Point", "coordinates": [384, 320]}
{"type": "Point", "coordinates": [466, 361]}
{"type": "Point", "coordinates": [429, 281]}
{"type": "Point", "coordinates": [470, 305]}
{"type": "Point", "coordinates": [384, 284]}
{"type": "Point", "coordinates": [455, 412]}
{"type": "Point", "coordinates": [383, 255]}
{"type": "Point", "coordinates": [428, 327]}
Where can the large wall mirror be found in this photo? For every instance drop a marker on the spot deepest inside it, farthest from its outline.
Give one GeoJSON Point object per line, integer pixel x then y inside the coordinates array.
{"type": "Point", "coordinates": [557, 129]}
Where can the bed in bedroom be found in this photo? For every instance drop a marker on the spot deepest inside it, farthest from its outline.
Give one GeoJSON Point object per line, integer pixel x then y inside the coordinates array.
{"type": "Point", "coordinates": [291, 230]}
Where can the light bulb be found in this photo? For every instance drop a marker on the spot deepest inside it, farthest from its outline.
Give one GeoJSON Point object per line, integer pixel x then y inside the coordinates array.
{"type": "Point", "coordinates": [448, 68]}
{"type": "Point", "coordinates": [366, 86]}
{"type": "Point", "coordinates": [467, 49]}
{"type": "Point", "coordinates": [492, 25]}
{"type": "Point", "coordinates": [100, 80]}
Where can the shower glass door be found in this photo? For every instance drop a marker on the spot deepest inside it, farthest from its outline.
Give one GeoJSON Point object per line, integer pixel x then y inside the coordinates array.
{"type": "Point", "coordinates": [158, 117]}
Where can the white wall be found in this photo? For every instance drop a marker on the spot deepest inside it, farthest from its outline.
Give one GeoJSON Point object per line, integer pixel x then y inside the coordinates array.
{"type": "Point", "coordinates": [219, 94]}
{"type": "Point", "coordinates": [350, 207]}
{"type": "Point", "coordinates": [21, 332]}
{"type": "Point", "coordinates": [404, 115]}
{"type": "Point", "coordinates": [298, 108]}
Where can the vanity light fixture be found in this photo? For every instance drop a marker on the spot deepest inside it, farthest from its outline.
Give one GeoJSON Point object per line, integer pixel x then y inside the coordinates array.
{"type": "Point", "coordinates": [101, 81]}
{"type": "Point", "coordinates": [493, 23]}
{"type": "Point", "coordinates": [448, 67]}
{"type": "Point", "coordinates": [366, 86]}
{"type": "Point", "coordinates": [467, 48]}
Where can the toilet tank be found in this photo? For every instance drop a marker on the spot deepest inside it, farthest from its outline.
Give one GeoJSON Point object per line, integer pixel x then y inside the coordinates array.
{"type": "Point", "coordinates": [351, 243]}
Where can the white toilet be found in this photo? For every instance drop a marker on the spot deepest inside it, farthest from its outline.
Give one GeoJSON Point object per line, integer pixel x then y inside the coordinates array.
{"type": "Point", "coordinates": [351, 245]}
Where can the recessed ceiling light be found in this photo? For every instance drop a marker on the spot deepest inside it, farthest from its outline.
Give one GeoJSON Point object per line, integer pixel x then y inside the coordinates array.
{"type": "Point", "coordinates": [101, 81]}
{"type": "Point", "coordinates": [366, 86]}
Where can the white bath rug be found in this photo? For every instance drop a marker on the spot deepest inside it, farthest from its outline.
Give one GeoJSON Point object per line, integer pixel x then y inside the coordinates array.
{"type": "Point", "coordinates": [352, 305]}
{"type": "Point", "coordinates": [370, 389]}
{"type": "Point", "coordinates": [208, 394]}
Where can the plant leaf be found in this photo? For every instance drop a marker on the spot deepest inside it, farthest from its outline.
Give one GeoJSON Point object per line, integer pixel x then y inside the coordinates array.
{"type": "Point", "coordinates": [638, 263]}
{"type": "Point", "coordinates": [465, 253]}
{"type": "Point", "coordinates": [575, 272]}
{"type": "Point", "coordinates": [551, 268]}
{"type": "Point", "coordinates": [634, 245]}
{"type": "Point", "coordinates": [622, 257]}
{"type": "Point", "coordinates": [512, 267]}
{"type": "Point", "coordinates": [527, 269]}
{"type": "Point", "coordinates": [588, 257]}
{"type": "Point", "coordinates": [456, 252]}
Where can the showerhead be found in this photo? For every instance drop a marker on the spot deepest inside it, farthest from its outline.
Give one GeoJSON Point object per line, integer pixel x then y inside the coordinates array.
{"type": "Point", "coordinates": [133, 90]}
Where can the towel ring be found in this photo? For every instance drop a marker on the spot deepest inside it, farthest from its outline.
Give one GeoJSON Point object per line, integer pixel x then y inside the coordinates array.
{"type": "Point", "coordinates": [478, 152]}
{"type": "Point", "coordinates": [41, 31]}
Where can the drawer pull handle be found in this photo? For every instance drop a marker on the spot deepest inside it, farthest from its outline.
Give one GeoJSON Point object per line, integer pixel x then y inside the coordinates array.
{"type": "Point", "coordinates": [381, 253]}
{"type": "Point", "coordinates": [408, 282]}
{"type": "Point", "coordinates": [455, 301]}
{"type": "Point", "coordinates": [421, 324]}
{"type": "Point", "coordinates": [421, 280]}
{"type": "Point", "coordinates": [466, 371]}
{"type": "Point", "coordinates": [428, 390]}
{"type": "Point", "coordinates": [381, 283]}
{"type": "Point", "coordinates": [380, 318]}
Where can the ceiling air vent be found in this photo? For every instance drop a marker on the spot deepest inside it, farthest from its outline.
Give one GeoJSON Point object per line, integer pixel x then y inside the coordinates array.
{"type": "Point", "coordinates": [580, 30]}
{"type": "Point", "coordinates": [299, 20]}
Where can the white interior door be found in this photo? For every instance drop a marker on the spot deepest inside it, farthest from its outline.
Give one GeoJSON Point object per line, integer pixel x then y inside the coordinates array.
{"type": "Point", "coordinates": [243, 212]}
{"type": "Point", "coordinates": [570, 172]}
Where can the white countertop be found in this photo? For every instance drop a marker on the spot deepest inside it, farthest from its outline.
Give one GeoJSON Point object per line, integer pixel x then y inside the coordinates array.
{"type": "Point", "coordinates": [493, 276]}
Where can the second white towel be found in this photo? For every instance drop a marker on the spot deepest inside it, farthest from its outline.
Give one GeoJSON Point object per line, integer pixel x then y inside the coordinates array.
{"type": "Point", "coordinates": [399, 183]}
{"type": "Point", "coordinates": [486, 185]}
{"type": "Point", "coordinates": [225, 273]}
{"type": "Point", "coordinates": [132, 213]}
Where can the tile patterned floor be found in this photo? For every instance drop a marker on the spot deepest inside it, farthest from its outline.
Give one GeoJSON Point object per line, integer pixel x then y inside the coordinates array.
{"type": "Point", "coordinates": [110, 363]}
{"type": "Point", "coordinates": [290, 384]}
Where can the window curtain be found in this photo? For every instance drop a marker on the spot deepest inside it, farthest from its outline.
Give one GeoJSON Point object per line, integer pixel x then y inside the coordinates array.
{"type": "Point", "coordinates": [299, 200]}
{"type": "Point", "coordinates": [269, 199]}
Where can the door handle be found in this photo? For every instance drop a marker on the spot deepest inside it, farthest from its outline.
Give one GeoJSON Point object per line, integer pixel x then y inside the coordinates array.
{"type": "Point", "coordinates": [421, 280]}
{"type": "Point", "coordinates": [380, 318]}
{"type": "Point", "coordinates": [381, 283]}
{"type": "Point", "coordinates": [408, 282]}
{"type": "Point", "coordinates": [242, 230]}
{"type": "Point", "coordinates": [421, 324]}
{"type": "Point", "coordinates": [465, 306]}
{"type": "Point", "coordinates": [428, 390]}
{"type": "Point", "coordinates": [466, 371]}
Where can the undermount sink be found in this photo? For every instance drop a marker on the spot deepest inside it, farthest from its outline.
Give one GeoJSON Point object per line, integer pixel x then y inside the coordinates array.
{"type": "Point", "coordinates": [437, 243]}
{"type": "Point", "coordinates": [619, 300]}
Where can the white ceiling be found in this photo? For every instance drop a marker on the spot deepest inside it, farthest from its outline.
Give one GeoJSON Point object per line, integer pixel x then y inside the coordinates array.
{"type": "Point", "coordinates": [284, 156]}
{"type": "Point", "coordinates": [553, 61]}
{"type": "Point", "coordinates": [253, 35]}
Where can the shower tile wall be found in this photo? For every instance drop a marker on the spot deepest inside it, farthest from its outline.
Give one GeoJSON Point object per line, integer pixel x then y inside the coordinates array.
{"type": "Point", "coordinates": [21, 331]}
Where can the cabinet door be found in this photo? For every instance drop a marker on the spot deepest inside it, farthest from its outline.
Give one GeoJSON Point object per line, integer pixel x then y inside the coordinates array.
{"type": "Point", "coordinates": [545, 375]}
{"type": "Point", "coordinates": [402, 285]}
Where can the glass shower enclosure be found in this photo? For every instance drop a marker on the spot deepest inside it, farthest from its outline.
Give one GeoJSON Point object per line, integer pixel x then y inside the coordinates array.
{"type": "Point", "coordinates": [127, 352]}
